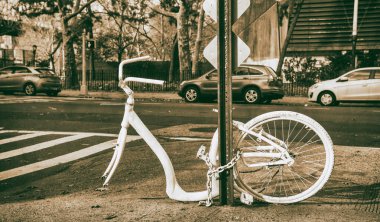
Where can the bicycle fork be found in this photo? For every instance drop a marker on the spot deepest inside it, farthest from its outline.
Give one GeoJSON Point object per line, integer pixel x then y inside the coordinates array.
{"type": "Point", "coordinates": [119, 148]}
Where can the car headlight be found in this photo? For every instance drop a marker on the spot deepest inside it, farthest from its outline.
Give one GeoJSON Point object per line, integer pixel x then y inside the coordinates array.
{"type": "Point", "coordinates": [182, 83]}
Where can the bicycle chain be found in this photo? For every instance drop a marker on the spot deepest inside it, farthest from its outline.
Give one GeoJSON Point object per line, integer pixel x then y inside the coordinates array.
{"type": "Point", "coordinates": [211, 172]}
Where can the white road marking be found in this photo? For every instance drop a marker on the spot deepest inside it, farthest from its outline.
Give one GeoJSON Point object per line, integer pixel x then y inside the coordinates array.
{"type": "Point", "coordinates": [22, 137]}
{"type": "Point", "coordinates": [111, 104]}
{"type": "Point", "coordinates": [188, 138]}
{"type": "Point", "coordinates": [41, 146]}
{"type": "Point", "coordinates": [13, 100]}
{"type": "Point", "coordinates": [59, 133]}
{"type": "Point", "coordinates": [61, 159]}
{"type": "Point", "coordinates": [318, 108]}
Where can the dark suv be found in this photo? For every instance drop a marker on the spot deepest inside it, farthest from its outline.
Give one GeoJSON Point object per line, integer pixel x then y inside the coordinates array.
{"type": "Point", "coordinates": [252, 83]}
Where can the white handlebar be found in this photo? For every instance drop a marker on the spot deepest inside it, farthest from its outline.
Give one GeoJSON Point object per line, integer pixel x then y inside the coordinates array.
{"type": "Point", "coordinates": [143, 80]}
{"type": "Point", "coordinates": [136, 79]}
{"type": "Point", "coordinates": [130, 61]}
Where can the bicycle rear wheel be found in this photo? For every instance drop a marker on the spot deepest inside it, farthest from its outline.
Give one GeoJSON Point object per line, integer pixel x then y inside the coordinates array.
{"type": "Point", "coordinates": [308, 144]}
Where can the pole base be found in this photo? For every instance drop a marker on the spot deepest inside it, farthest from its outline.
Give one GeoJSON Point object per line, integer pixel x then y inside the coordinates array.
{"type": "Point", "coordinates": [84, 90]}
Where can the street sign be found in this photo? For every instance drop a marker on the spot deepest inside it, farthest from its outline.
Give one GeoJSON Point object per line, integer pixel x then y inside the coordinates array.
{"type": "Point", "coordinates": [210, 8]}
{"type": "Point", "coordinates": [211, 50]}
{"type": "Point", "coordinates": [211, 53]}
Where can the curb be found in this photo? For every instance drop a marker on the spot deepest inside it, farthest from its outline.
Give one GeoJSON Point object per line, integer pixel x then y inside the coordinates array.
{"type": "Point", "coordinates": [169, 97]}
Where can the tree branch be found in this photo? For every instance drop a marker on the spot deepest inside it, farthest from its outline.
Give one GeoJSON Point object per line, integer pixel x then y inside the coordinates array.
{"type": "Point", "coordinates": [56, 47]}
{"type": "Point", "coordinates": [161, 11]}
{"type": "Point", "coordinates": [68, 17]}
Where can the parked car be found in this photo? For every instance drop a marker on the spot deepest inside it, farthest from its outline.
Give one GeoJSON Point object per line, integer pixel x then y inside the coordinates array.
{"type": "Point", "coordinates": [359, 85]}
{"type": "Point", "coordinates": [251, 83]}
{"type": "Point", "coordinates": [30, 80]}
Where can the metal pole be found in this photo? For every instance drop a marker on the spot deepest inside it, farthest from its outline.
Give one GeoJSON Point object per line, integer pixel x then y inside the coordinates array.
{"type": "Point", "coordinates": [355, 32]}
{"type": "Point", "coordinates": [83, 88]}
{"type": "Point", "coordinates": [225, 97]}
{"type": "Point", "coordinates": [34, 54]}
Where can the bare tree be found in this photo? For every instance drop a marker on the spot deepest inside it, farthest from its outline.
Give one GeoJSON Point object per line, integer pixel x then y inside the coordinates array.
{"type": "Point", "coordinates": [181, 17]}
{"type": "Point", "coordinates": [68, 11]}
{"type": "Point", "coordinates": [198, 41]}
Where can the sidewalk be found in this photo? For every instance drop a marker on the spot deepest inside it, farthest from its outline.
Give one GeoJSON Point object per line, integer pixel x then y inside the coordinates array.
{"type": "Point", "coordinates": [137, 192]}
{"type": "Point", "coordinates": [167, 97]}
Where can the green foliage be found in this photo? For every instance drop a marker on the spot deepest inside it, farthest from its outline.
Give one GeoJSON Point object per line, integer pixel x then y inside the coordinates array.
{"type": "Point", "coordinates": [342, 63]}
{"type": "Point", "coordinates": [369, 59]}
{"type": "Point", "coordinates": [34, 8]}
{"type": "Point", "coordinates": [338, 65]}
{"type": "Point", "coordinates": [8, 27]}
{"type": "Point", "coordinates": [301, 70]}
{"type": "Point", "coordinates": [304, 71]}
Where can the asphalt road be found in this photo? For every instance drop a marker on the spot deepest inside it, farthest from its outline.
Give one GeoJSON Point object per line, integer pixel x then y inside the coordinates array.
{"type": "Point", "coordinates": [41, 137]}
{"type": "Point", "coordinates": [356, 125]}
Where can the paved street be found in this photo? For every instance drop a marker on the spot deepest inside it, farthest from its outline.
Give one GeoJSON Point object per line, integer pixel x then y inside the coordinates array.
{"type": "Point", "coordinates": [44, 140]}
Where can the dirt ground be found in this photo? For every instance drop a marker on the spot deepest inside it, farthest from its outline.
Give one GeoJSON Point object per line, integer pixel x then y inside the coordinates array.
{"type": "Point", "coordinates": [137, 190]}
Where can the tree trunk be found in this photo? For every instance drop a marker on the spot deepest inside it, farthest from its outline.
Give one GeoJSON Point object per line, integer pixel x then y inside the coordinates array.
{"type": "Point", "coordinates": [70, 69]}
{"type": "Point", "coordinates": [119, 48]}
{"type": "Point", "coordinates": [183, 41]}
{"type": "Point", "coordinates": [198, 41]}
{"type": "Point", "coordinates": [91, 53]}
{"type": "Point", "coordinates": [288, 35]}
{"type": "Point", "coordinates": [174, 59]}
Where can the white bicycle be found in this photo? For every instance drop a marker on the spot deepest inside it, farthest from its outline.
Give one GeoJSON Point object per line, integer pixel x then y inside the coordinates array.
{"type": "Point", "coordinates": [279, 157]}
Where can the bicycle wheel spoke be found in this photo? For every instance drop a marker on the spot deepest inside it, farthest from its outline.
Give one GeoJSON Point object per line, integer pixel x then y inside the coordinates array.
{"type": "Point", "coordinates": [291, 132]}
{"type": "Point", "coordinates": [312, 155]}
{"type": "Point", "coordinates": [306, 144]}
{"type": "Point", "coordinates": [309, 150]}
{"type": "Point", "coordinates": [282, 129]}
{"type": "Point", "coordinates": [264, 185]}
{"type": "Point", "coordinates": [299, 131]}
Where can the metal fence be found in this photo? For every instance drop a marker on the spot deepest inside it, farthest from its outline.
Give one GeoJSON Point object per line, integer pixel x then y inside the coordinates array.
{"type": "Point", "coordinates": [295, 89]}
{"type": "Point", "coordinates": [108, 81]}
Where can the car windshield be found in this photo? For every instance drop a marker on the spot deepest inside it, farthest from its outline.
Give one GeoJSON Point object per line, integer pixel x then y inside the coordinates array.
{"type": "Point", "coordinates": [272, 72]}
{"type": "Point", "coordinates": [46, 71]}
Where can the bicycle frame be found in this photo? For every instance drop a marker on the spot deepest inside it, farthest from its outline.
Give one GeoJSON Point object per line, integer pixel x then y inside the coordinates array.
{"type": "Point", "coordinates": [173, 189]}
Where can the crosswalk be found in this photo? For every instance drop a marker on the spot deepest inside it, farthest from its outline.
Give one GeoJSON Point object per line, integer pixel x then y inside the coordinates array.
{"type": "Point", "coordinates": [35, 99]}
{"type": "Point", "coordinates": [32, 139]}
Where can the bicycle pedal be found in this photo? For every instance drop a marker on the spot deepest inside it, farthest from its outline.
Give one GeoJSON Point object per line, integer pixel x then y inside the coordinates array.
{"type": "Point", "coordinates": [246, 198]}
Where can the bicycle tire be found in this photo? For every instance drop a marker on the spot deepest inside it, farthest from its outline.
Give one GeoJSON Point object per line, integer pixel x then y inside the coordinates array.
{"type": "Point", "coordinates": [311, 150]}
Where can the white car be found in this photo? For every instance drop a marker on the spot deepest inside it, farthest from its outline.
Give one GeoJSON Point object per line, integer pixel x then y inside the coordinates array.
{"type": "Point", "coordinates": [359, 85]}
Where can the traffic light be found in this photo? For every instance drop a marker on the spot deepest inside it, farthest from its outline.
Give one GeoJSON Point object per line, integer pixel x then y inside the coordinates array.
{"type": "Point", "coordinates": [90, 44]}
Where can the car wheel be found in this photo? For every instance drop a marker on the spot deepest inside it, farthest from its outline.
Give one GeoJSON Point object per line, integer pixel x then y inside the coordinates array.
{"type": "Point", "coordinates": [252, 95]}
{"type": "Point", "coordinates": [327, 99]}
{"type": "Point", "coordinates": [192, 94]}
{"type": "Point", "coordinates": [52, 93]}
{"type": "Point", "coordinates": [30, 89]}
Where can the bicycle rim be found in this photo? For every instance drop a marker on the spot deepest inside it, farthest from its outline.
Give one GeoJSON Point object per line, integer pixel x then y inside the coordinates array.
{"type": "Point", "coordinates": [307, 143]}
